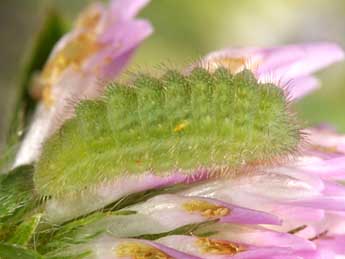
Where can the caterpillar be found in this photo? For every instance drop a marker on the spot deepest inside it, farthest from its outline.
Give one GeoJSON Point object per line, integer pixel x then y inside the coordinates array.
{"type": "Point", "coordinates": [174, 122]}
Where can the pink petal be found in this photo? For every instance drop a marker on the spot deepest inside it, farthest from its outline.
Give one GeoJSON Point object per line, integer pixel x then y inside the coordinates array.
{"type": "Point", "coordinates": [126, 9]}
{"type": "Point", "coordinates": [325, 143]}
{"type": "Point", "coordinates": [122, 40]}
{"type": "Point", "coordinates": [323, 202]}
{"type": "Point", "coordinates": [329, 169]}
{"type": "Point", "coordinates": [280, 65]}
{"type": "Point", "coordinates": [191, 245]}
{"type": "Point", "coordinates": [107, 246]}
{"type": "Point", "coordinates": [301, 86]}
{"type": "Point", "coordinates": [334, 243]}
{"type": "Point", "coordinates": [261, 237]}
{"type": "Point", "coordinates": [173, 211]}
{"type": "Point", "coordinates": [293, 61]}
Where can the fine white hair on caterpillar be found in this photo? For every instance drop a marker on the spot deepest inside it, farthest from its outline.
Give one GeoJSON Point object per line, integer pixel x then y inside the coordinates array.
{"type": "Point", "coordinates": [217, 120]}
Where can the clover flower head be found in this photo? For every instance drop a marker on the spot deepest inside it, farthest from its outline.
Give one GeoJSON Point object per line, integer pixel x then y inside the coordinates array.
{"type": "Point", "coordinates": [285, 210]}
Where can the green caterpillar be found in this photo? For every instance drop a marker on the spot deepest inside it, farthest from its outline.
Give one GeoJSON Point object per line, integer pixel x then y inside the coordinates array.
{"type": "Point", "coordinates": [175, 122]}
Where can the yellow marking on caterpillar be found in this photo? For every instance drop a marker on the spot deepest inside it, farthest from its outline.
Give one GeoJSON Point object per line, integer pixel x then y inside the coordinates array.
{"type": "Point", "coordinates": [181, 126]}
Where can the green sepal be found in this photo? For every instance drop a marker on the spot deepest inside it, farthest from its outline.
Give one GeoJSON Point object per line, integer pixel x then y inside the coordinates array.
{"type": "Point", "coordinates": [194, 229]}
{"type": "Point", "coordinates": [13, 251]}
{"type": "Point", "coordinates": [74, 256]}
{"type": "Point", "coordinates": [25, 230]}
{"type": "Point", "coordinates": [16, 199]}
{"type": "Point", "coordinates": [53, 238]}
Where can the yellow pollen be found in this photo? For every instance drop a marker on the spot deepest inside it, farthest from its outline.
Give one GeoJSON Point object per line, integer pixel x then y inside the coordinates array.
{"type": "Point", "coordinates": [218, 247]}
{"type": "Point", "coordinates": [73, 54]}
{"type": "Point", "coordinates": [47, 96]}
{"type": "Point", "coordinates": [140, 251]}
{"type": "Point", "coordinates": [107, 60]}
{"type": "Point", "coordinates": [206, 209]}
{"type": "Point", "coordinates": [233, 64]}
{"type": "Point", "coordinates": [89, 18]}
{"type": "Point", "coordinates": [181, 126]}
{"type": "Point", "coordinates": [329, 149]}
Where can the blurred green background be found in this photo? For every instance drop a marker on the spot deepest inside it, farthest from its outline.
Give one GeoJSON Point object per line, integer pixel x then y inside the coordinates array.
{"type": "Point", "coordinates": [188, 29]}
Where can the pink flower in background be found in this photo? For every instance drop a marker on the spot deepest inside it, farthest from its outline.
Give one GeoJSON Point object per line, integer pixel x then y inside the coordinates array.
{"type": "Point", "coordinates": [99, 46]}
{"type": "Point", "coordinates": [290, 65]}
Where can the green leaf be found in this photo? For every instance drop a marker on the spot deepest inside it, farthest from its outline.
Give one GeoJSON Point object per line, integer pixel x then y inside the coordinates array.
{"type": "Point", "coordinates": [74, 256]}
{"type": "Point", "coordinates": [12, 251]}
{"type": "Point", "coordinates": [190, 229]}
{"type": "Point", "coordinates": [57, 237]}
{"type": "Point", "coordinates": [15, 191]}
{"type": "Point", "coordinates": [142, 196]}
{"type": "Point", "coordinates": [25, 230]}
{"type": "Point", "coordinates": [16, 198]}
{"type": "Point", "coordinates": [51, 31]}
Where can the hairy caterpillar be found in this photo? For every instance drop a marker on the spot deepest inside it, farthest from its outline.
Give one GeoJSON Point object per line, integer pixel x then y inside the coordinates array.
{"type": "Point", "coordinates": [176, 122]}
